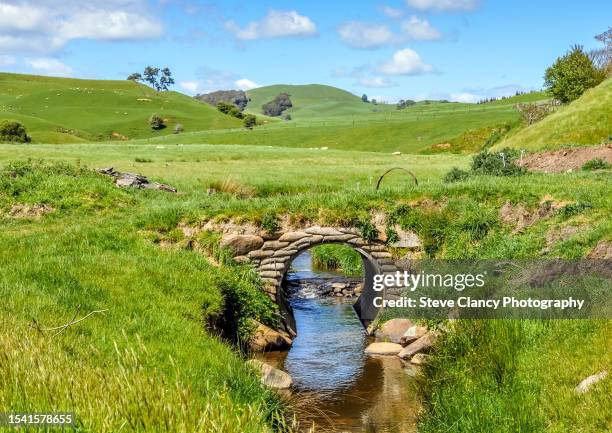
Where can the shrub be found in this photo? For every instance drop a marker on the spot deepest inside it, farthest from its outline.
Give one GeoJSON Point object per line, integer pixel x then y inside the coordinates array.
{"type": "Point", "coordinates": [367, 230]}
{"type": "Point", "coordinates": [497, 164]}
{"type": "Point", "coordinates": [455, 175]}
{"type": "Point", "coordinates": [571, 75]}
{"type": "Point", "coordinates": [269, 222]}
{"type": "Point", "coordinates": [229, 109]}
{"type": "Point", "coordinates": [13, 132]}
{"type": "Point", "coordinates": [156, 122]}
{"type": "Point", "coordinates": [244, 301]}
{"type": "Point", "coordinates": [569, 210]}
{"type": "Point", "coordinates": [250, 121]}
{"type": "Point", "coordinates": [391, 234]}
{"type": "Point", "coordinates": [596, 164]}
{"type": "Point", "coordinates": [142, 160]}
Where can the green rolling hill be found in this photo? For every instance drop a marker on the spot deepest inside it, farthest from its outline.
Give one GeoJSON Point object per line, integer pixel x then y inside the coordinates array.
{"type": "Point", "coordinates": [314, 101]}
{"type": "Point", "coordinates": [65, 110]}
{"type": "Point", "coordinates": [586, 121]}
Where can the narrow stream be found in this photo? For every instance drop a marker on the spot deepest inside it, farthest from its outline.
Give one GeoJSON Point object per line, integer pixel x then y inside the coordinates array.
{"type": "Point", "coordinates": [342, 389]}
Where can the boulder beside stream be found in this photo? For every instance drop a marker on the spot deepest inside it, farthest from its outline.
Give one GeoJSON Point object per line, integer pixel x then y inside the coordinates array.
{"type": "Point", "coordinates": [383, 349]}
{"type": "Point", "coordinates": [266, 339]}
{"type": "Point", "coordinates": [270, 376]}
{"type": "Point", "coordinates": [393, 330]}
{"type": "Point", "coordinates": [422, 345]}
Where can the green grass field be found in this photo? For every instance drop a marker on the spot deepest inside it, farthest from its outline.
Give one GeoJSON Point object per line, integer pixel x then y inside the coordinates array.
{"type": "Point", "coordinates": [151, 361]}
{"type": "Point", "coordinates": [66, 110]}
{"type": "Point", "coordinates": [105, 248]}
{"type": "Point", "coordinates": [409, 131]}
{"type": "Point", "coordinates": [314, 101]}
{"type": "Point", "coordinates": [586, 121]}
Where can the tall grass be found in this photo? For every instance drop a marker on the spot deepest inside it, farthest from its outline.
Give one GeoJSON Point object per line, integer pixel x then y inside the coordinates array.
{"type": "Point", "coordinates": [39, 373]}
{"type": "Point", "coordinates": [518, 376]}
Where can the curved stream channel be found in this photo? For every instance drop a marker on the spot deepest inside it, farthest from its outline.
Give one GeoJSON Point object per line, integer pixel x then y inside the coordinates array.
{"type": "Point", "coordinates": [340, 388]}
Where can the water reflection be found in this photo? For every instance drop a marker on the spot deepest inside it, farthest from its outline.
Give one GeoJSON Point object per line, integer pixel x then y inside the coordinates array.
{"type": "Point", "coordinates": [345, 390]}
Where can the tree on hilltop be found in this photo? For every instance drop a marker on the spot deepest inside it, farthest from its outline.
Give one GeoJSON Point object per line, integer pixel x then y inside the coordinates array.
{"type": "Point", "coordinates": [166, 79]}
{"type": "Point", "coordinates": [602, 57]}
{"type": "Point", "coordinates": [151, 76]}
{"type": "Point", "coordinates": [135, 77]}
{"type": "Point", "coordinates": [571, 75]}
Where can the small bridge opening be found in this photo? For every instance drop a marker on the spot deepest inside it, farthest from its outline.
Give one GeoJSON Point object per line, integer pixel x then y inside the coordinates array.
{"type": "Point", "coordinates": [331, 272]}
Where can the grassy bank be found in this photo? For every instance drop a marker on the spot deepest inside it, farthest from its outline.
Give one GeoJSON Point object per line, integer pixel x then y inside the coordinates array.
{"type": "Point", "coordinates": [145, 361]}
{"type": "Point", "coordinates": [585, 121]}
{"type": "Point", "coordinates": [95, 247]}
{"type": "Point", "coordinates": [519, 376]}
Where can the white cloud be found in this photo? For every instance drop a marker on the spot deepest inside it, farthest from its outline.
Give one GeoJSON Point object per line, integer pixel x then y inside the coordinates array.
{"type": "Point", "coordinates": [49, 66]}
{"type": "Point", "coordinates": [443, 5]}
{"type": "Point", "coordinates": [391, 12]}
{"type": "Point", "coordinates": [362, 35]}
{"type": "Point", "coordinates": [7, 61]}
{"type": "Point", "coordinates": [276, 24]}
{"type": "Point", "coordinates": [471, 95]}
{"type": "Point", "coordinates": [405, 62]}
{"type": "Point", "coordinates": [190, 86]}
{"type": "Point", "coordinates": [45, 26]}
{"type": "Point", "coordinates": [109, 25]}
{"type": "Point", "coordinates": [420, 30]}
{"type": "Point", "coordinates": [209, 80]}
{"type": "Point", "coordinates": [246, 84]}
{"type": "Point", "coordinates": [376, 82]}
{"type": "Point", "coordinates": [464, 97]}
{"type": "Point", "coordinates": [20, 17]}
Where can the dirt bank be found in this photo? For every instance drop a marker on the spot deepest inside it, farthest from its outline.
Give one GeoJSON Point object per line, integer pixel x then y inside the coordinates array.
{"type": "Point", "coordinates": [566, 159]}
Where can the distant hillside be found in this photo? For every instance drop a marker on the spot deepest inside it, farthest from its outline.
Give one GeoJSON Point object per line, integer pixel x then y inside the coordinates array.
{"type": "Point", "coordinates": [236, 97]}
{"type": "Point", "coordinates": [313, 101]}
{"type": "Point", "coordinates": [588, 120]}
{"type": "Point", "coordinates": [65, 110]}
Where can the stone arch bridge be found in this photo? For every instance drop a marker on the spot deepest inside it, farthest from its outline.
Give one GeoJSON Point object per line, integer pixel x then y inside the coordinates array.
{"type": "Point", "coordinates": [271, 256]}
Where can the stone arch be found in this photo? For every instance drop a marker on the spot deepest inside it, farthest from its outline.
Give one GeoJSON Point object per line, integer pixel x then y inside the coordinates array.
{"type": "Point", "coordinates": [273, 259]}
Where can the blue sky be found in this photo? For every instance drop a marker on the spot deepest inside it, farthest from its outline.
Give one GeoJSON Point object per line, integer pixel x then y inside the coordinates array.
{"type": "Point", "coordinates": [453, 49]}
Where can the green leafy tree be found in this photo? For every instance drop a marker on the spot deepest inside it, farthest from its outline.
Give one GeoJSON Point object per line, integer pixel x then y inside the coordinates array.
{"type": "Point", "coordinates": [364, 98]}
{"type": "Point", "coordinates": [13, 132]}
{"type": "Point", "coordinates": [150, 76]}
{"type": "Point", "coordinates": [250, 121]}
{"type": "Point", "coordinates": [166, 79]}
{"type": "Point", "coordinates": [135, 77]}
{"type": "Point", "coordinates": [571, 75]}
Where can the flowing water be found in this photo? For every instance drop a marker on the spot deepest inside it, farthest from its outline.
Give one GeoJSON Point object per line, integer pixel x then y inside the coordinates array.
{"type": "Point", "coordinates": [342, 389]}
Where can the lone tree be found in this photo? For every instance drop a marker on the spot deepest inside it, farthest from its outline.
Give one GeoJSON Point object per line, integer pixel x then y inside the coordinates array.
{"type": "Point", "coordinates": [156, 122]}
{"type": "Point", "coordinates": [135, 77]}
{"type": "Point", "coordinates": [13, 132]}
{"type": "Point", "coordinates": [250, 121]}
{"type": "Point", "coordinates": [364, 98]}
{"type": "Point", "coordinates": [571, 75]}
